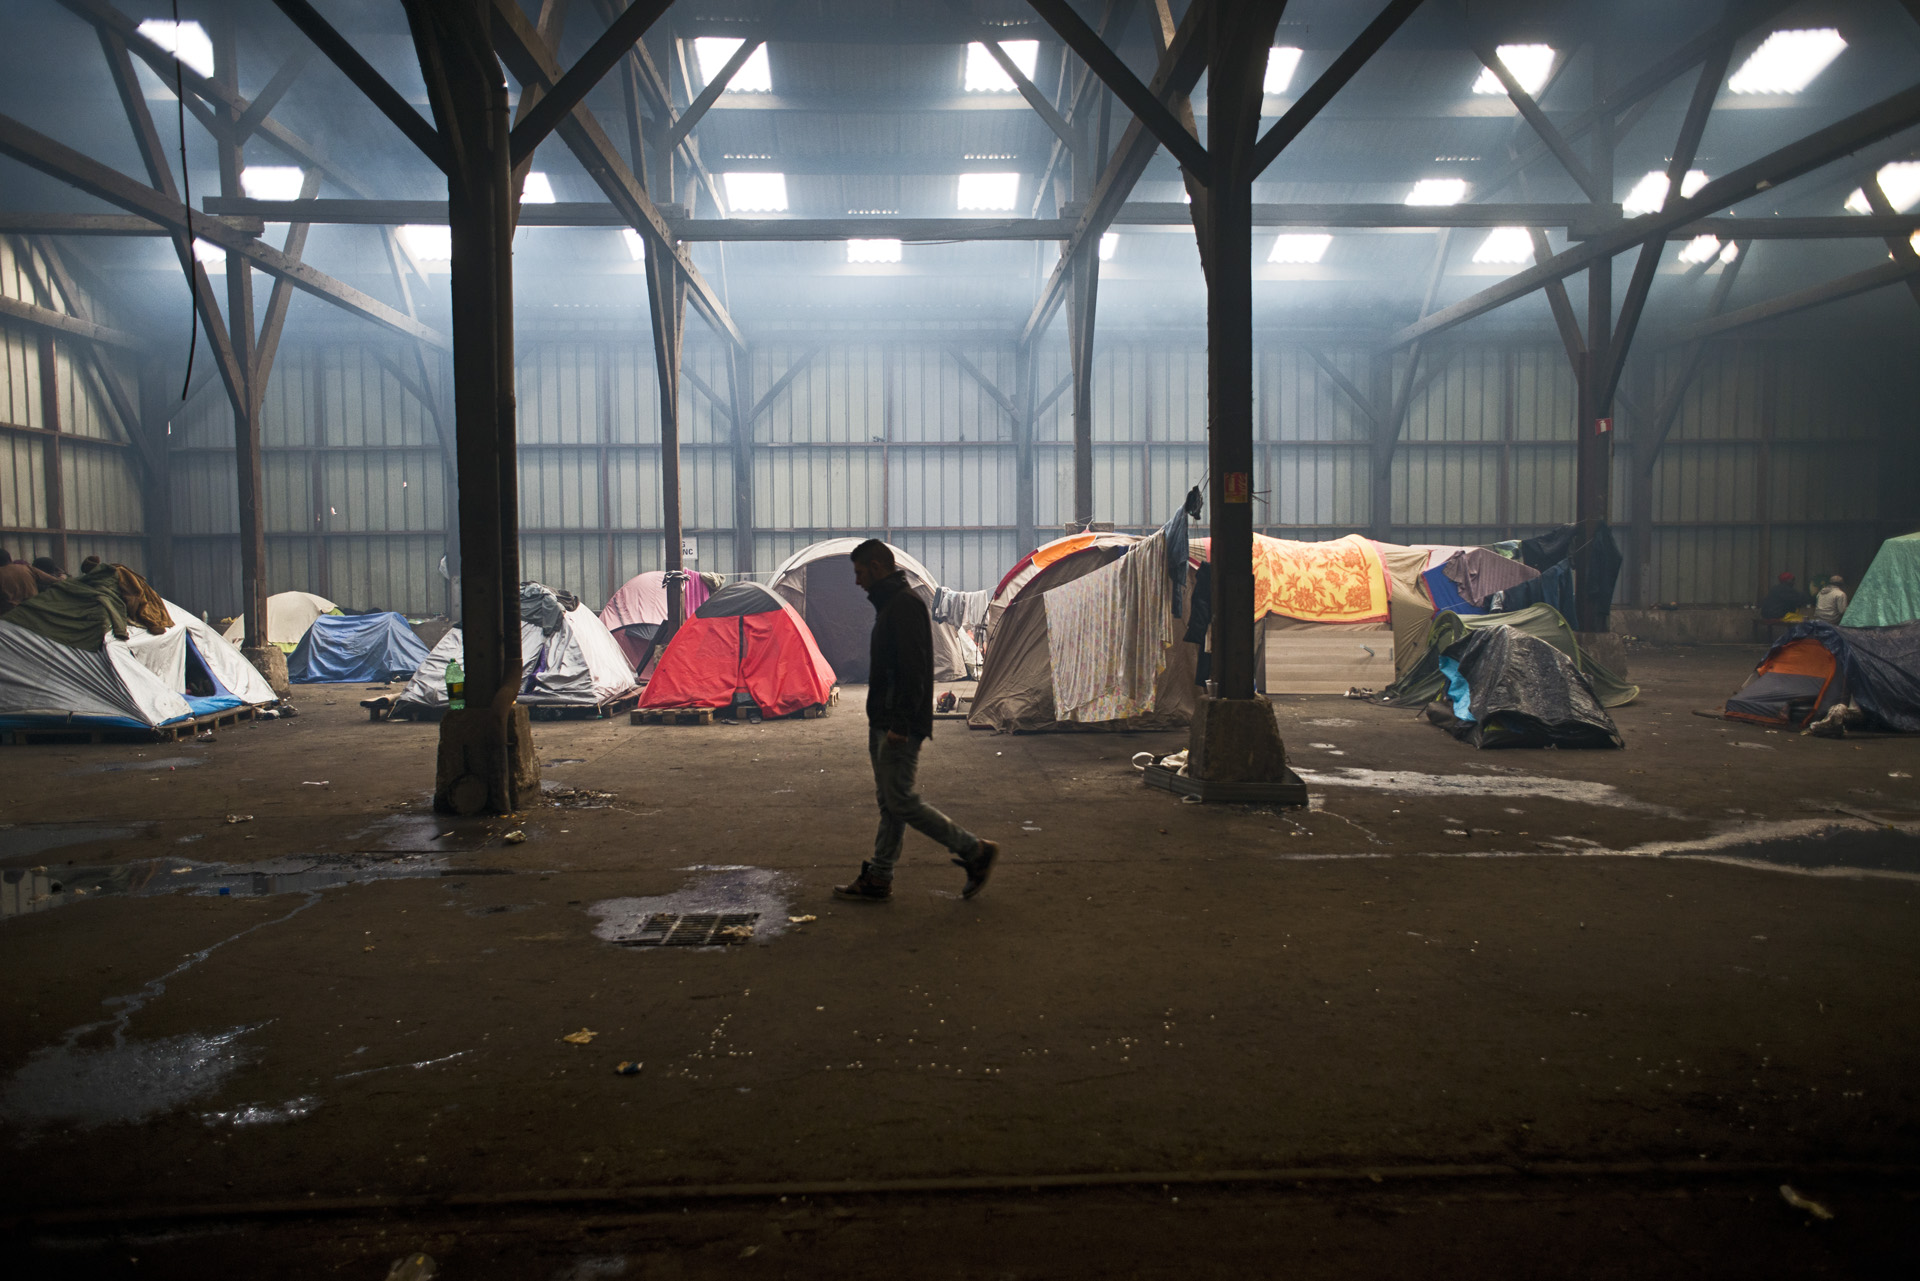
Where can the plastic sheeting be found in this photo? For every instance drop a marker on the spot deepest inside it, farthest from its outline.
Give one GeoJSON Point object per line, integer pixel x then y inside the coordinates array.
{"type": "Point", "coordinates": [1422, 681]}
{"type": "Point", "coordinates": [1889, 592]}
{"type": "Point", "coordinates": [426, 693]}
{"type": "Point", "coordinates": [1881, 665]}
{"type": "Point", "coordinates": [1518, 692]}
{"type": "Point", "coordinates": [581, 665]}
{"type": "Point", "coordinates": [356, 647]}
{"type": "Point", "coordinates": [289, 615]}
{"type": "Point", "coordinates": [227, 665]}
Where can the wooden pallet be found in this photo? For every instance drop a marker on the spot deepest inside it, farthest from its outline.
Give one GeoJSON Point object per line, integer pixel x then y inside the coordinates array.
{"type": "Point", "coordinates": [173, 733]}
{"type": "Point", "coordinates": [671, 716]}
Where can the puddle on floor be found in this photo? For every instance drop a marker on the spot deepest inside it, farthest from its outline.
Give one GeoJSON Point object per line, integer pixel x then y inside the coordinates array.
{"type": "Point", "coordinates": [262, 1113]}
{"type": "Point", "coordinates": [27, 891]}
{"type": "Point", "coordinates": [719, 890]}
{"type": "Point", "coordinates": [30, 840]}
{"type": "Point", "coordinates": [1409, 783]}
{"type": "Point", "coordinates": [98, 1075]}
{"type": "Point", "coordinates": [423, 834]}
{"type": "Point", "coordinates": [128, 767]}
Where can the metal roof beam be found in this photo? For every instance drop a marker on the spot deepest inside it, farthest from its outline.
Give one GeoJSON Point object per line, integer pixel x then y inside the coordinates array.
{"type": "Point", "coordinates": [1543, 127]}
{"type": "Point", "coordinates": [368, 81]}
{"type": "Point", "coordinates": [571, 89]}
{"type": "Point", "coordinates": [1882, 120]}
{"type": "Point", "coordinates": [711, 94]}
{"type": "Point", "coordinates": [1330, 82]}
{"type": "Point", "coordinates": [1143, 102]}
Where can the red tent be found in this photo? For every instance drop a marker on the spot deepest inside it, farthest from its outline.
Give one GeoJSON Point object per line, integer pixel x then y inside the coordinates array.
{"type": "Point", "coordinates": [743, 638]}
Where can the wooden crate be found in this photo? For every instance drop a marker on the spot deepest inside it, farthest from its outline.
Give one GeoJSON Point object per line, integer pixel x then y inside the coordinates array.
{"type": "Point", "coordinates": [671, 716]}
{"type": "Point", "coordinates": [126, 734]}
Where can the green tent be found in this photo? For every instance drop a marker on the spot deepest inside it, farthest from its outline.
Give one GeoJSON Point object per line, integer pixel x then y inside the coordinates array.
{"type": "Point", "coordinates": [1889, 594]}
{"type": "Point", "coordinates": [1423, 681]}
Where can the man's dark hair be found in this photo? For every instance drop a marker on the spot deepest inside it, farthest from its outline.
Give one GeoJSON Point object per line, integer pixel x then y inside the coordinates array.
{"type": "Point", "coordinates": [48, 565]}
{"type": "Point", "coordinates": [90, 564]}
{"type": "Point", "coordinates": [875, 553]}
{"type": "Point", "coordinates": [6, 557]}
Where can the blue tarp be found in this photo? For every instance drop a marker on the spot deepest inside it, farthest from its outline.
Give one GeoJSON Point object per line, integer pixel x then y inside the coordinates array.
{"type": "Point", "coordinates": [1446, 594]}
{"type": "Point", "coordinates": [356, 647]}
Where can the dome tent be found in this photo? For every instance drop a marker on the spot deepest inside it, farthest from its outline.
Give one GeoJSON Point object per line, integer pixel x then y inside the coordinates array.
{"type": "Point", "coordinates": [356, 647]}
{"type": "Point", "coordinates": [743, 639]}
{"type": "Point", "coordinates": [289, 615]}
{"type": "Point", "coordinates": [635, 613]}
{"type": "Point", "coordinates": [818, 582]}
{"type": "Point", "coordinates": [568, 661]}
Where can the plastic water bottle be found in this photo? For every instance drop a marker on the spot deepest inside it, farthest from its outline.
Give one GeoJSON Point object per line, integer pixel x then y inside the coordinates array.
{"type": "Point", "coordinates": [456, 686]}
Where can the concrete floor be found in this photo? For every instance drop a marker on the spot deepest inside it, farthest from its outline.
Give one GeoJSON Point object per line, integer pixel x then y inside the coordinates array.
{"type": "Point", "coordinates": [1522, 1013]}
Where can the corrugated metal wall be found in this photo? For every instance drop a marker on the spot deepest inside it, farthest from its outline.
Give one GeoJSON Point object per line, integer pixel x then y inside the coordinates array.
{"type": "Point", "coordinates": [72, 435]}
{"type": "Point", "coordinates": [901, 440]}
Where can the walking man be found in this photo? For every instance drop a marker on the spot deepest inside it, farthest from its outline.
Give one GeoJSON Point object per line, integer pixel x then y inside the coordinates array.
{"type": "Point", "coordinates": [899, 719]}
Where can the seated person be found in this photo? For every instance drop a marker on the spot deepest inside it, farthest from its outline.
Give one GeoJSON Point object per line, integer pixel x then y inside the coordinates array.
{"type": "Point", "coordinates": [1785, 598]}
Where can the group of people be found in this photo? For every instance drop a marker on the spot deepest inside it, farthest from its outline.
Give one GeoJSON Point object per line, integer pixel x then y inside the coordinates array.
{"type": "Point", "coordinates": [1787, 597]}
{"type": "Point", "coordinates": [21, 580]}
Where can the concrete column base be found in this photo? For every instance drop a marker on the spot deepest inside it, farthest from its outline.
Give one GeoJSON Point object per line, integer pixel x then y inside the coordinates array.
{"type": "Point", "coordinates": [1236, 740]}
{"type": "Point", "coordinates": [271, 662]}
{"type": "Point", "coordinates": [486, 763]}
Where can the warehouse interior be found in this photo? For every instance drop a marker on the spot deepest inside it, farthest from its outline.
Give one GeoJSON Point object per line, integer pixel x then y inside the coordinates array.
{"type": "Point", "coordinates": [403, 304]}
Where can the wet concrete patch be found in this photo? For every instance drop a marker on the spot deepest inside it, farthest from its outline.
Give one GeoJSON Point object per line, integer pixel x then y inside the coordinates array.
{"type": "Point", "coordinates": [714, 890]}
{"type": "Point", "coordinates": [24, 892]}
{"type": "Point", "coordinates": [422, 834]}
{"type": "Point", "coordinates": [1412, 783]}
{"type": "Point", "coordinates": [1876, 850]}
{"type": "Point", "coordinates": [141, 766]}
{"type": "Point", "coordinates": [262, 1113]}
{"type": "Point", "coordinates": [30, 840]}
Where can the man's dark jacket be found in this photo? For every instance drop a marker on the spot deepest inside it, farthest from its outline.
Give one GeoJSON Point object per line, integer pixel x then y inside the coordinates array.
{"type": "Point", "coordinates": [900, 686]}
{"type": "Point", "coordinates": [1783, 599]}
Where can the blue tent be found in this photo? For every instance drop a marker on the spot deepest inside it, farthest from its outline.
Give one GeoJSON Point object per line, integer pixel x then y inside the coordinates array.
{"type": "Point", "coordinates": [356, 647]}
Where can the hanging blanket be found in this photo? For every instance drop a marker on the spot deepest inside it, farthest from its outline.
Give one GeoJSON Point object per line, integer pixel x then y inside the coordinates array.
{"type": "Point", "coordinates": [1109, 633]}
{"type": "Point", "coordinates": [1343, 581]}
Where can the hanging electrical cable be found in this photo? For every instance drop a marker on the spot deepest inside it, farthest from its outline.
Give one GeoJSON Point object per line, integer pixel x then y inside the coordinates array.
{"type": "Point", "coordinates": [186, 196]}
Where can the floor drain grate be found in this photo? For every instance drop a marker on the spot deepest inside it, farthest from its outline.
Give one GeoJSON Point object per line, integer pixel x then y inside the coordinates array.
{"type": "Point", "coordinates": [697, 929]}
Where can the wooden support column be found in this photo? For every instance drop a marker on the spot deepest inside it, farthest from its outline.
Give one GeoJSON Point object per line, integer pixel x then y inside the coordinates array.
{"type": "Point", "coordinates": [739, 401]}
{"type": "Point", "coordinates": [157, 394]}
{"type": "Point", "coordinates": [667, 302]}
{"type": "Point", "coordinates": [486, 761]}
{"type": "Point", "coordinates": [248, 462]}
{"type": "Point", "coordinates": [1594, 456]}
{"type": "Point", "coordinates": [50, 460]}
{"type": "Point", "coordinates": [1023, 492]}
{"type": "Point", "coordinates": [1083, 292]}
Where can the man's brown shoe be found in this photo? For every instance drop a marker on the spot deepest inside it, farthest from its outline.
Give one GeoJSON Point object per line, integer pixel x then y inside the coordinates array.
{"type": "Point", "coordinates": [865, 889]}
{"type": "Point", "coordinates": [978, 868]}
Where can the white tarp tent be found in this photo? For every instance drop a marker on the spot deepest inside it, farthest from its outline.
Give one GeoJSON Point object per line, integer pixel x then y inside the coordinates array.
{"type": "Point", "coordinates": [137, 683]}
{"type": "Point", "coordinates": [579, 665]}
{"type": "Point", "coordinates": [289, 614]}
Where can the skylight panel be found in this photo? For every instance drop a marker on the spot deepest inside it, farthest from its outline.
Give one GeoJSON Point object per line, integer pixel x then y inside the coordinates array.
{"type": "Point", "coordinates": [1109, 245]}
{"type": "Point", "coordinates": [538, 190]}
{"type": "Point", "coordinates": [989, 190]}
{"type": "Point", "coordinates": [428, 243]}
{"type": "Point", "coordinates": [1787, 61]}
{"type": "Point", "coordinates": [1900, 181]}
{"type": "Point", "coordinates": [756, 192]}
{"type": "Point", "coordinates": [1438, 191]}
{"type": "Point", "coordinates": [1530, 64]}
{"type": "Point", "coordinates": [1505, 245]}
{"type": "Point", "coordinates": [1701, 249]}
{"type": "Point", "coordinates": [210, 256]}
{"type": "Point", "coordinates": [712, 53]}
{"type": "Point", "coordinates": [272, 182]}
{"type": "Point", "coordinates": [873, 251]}
{"type": "Point", "coordinates": [187, 41]}
{"type": "Point", "coordinates": [984, 72]}
{"type": "Point", "coordinates": [636, 247]}
{"type": "Point", "coordinates": [1299, 248]}
{"type": "Point", "coordinates": [1649, 195]}
{"type": "Point", "coordinates": [1282, 62]}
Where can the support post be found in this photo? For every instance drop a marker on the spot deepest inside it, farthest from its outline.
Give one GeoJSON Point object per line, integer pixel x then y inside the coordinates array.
{"type": "Point", "coordinates": [1081, 297]}
{"type": "Point", "coordinates": [739, 399]}
{"type": "Point", "coordinates": [1594, 456]}
{"type": "Point", "coordinates": [1234, 737]}
{"type": "Point", "coordinates": [486, 762]}
{"type": "Point", "coordinates": [1023, 493]}
{"type": "Point", "coordinates": [667, 300]}
{"type": "Point", "coordinates": [156, 398]}
{"type": "Point", "coordinates": [50, 460]}
{"type": "Point", "coordinates": [248, 462]}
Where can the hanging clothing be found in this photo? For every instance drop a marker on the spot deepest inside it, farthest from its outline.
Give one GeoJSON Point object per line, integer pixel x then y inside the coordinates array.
{"type": "Point", "coordinates": [1446, 594]}
{"type": "Point", "coordinates": [1109, 633]}
{"type": "Point", "coordinates": [1554, 587]}
{"type": "Point", "coordinates": [1200, 622]}
{"type": "Point", "coordinates": [1480, 573]}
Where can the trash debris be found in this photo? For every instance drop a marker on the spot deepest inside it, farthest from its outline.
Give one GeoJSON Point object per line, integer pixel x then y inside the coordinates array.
{"type": "Point", "coordinates": [1357, 691]}
{"type": "Point", "coordinates": [178, 870]}
{"type": "Point", "coordinates": [1457, 831]}
{"type": "Point", "coordinates": [627, 1067]}
{"type": "Point", "coordinates": [1799, 1202]}
{"type": "Point", "coordinates": [1898, 773]}
{"type": "Point", "coordinates": [443, 836]}
{"type": "Point", "coordinates": [583, 1037]}
{"type": "Point", "coordinates": [515, 837]}
{"type": "Point", "coordinates": [1028, 827]}
{"type": "Point", "coordinates": [734, 932]}
{"type": "Point", "coordinates": [288, 709]}
{"type": "Point", "coordinates": [239, 818]}
{"type": "Point", "coordinates": [801, 920]}
{"type": "Point", "coordinates": [321, 783]}
{"type": "Point", "coordinates": [267, 714]}
{"type": "Point", "coordinates": [415, 1267]}
{"type": "Point", "coordinates": [204, 736]}
{"type": "Point", "coordinates": [946, 702]}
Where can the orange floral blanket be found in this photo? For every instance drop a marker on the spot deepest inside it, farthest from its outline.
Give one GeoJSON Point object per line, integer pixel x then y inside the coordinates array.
{"type": "Point", "coordinates": [1343, 581]}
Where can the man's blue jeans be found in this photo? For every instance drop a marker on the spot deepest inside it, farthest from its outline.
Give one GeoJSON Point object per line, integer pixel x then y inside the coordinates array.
{"type": "Point", "coordinates": [894, 765]}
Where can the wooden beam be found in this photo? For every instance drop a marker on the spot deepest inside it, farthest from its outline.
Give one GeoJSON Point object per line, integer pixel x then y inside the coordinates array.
{"type": "Point", "coordinates": [1345, 384]}
{"type": "Point", "coordinates": [269, 97]}
{"type": "Point", "coordinates": [1712, 72]}
{"type": "Point", "coordinates": [711, 94]}
{"type": "Point", "coordinates": [1144, 103]}
{"type": "Point", "coordinates": [1859, 282]}
{"type": "Point", "coordinates": [781, 383]}
{"type": "Point", "coordinates": [274, 322]}
{"type": "Point", "coordinates": [1668, 409]}
{"type": "Point", "coordinates": [1900, 246]}
{"type": "Point", "coordinates": [51, 321]}
{"type": "Point", "coordinates": [987, 385]}
{"type": "Point", "coordinates": [1031, 92]}
{"type": "Point", "coordinates": [1563, 317]}
{"type": "Point", "coordinates": [1881, 120]}
{"type": "Point", "coordinates": [1180, 69]}
{"type": "Point", "coordinates": [368, 81]}
{"type": "Point", "coordinates": [566, 92]}
{"type": "Point", "coordinates": [1542, 127]}
{"type": "Point", "coordinates": [56, 160]}
{"type": "Point", "coordinates": [531, 63]}
{"type": "Point", "coordinates": [1331, 81]}
{"type": "Point", "coordinates": [80, 224]}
